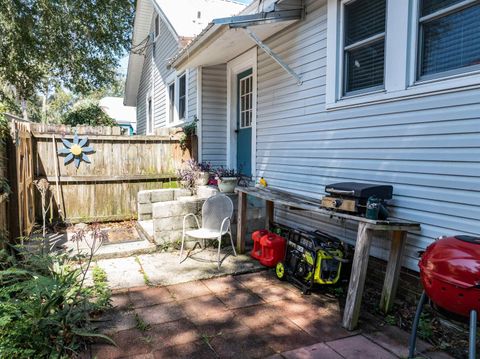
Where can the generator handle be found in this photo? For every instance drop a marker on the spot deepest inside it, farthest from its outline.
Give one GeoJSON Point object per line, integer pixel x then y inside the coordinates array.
{"type": "Point", "coordinates": [339, 191]}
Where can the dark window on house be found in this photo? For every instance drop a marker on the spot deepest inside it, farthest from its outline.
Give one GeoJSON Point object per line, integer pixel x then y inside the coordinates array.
{"type": "Point", "coordinates": [157, 26]}
{"type": "Point", "coordinates": [182, 96]}
{"type": "Point", "coordinates": [364, 45]}
{"type": "Point", "coordinates": [149, 116]}
{"type": "Point", "coordinates": [171, 102]}
{"type": "Point", "coordinates": [449, 36]}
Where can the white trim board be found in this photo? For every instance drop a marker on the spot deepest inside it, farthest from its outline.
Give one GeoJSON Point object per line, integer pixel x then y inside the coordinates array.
{"type": "Point", "coordinates": [239, 64]}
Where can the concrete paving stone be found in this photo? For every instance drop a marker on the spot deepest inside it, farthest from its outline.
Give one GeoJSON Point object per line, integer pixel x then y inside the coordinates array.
{"type": "Point", "coordinates": [437, 355]}
{"type": "Point", "coordinates": [221, 322]}
{"type": "Point", "coordinates": [239, 299]}
{"type": "Point", "coordinates": [315, 351]}
{"type": "Point", "coordinates": [140, 356]}
{"type": "Point", "coordinates": [197, 350]}
{"type": "Point", "coordinates": [188, 290]}
{"type": "Point", "coordinates": [129, 342]}
{"type": "Point", "coordinates": [359, 347]}
{"type": "Point", "coordinates": [172, 333]}
{"type": "Point", "coordinates": [120, 301]}
{"type": "Point", "coordinates": [256, 279]}
{"type": "Point", "coordinates": [122, 272]}
{"type": "Point", "coordinates": [285, 336]}
{"type": "Point", "coordinates": [275, 356]}
{"type": "Point", "coordinates": [223, 284]}
{"type": "Point", "coordinates": [115, 321]}
{"type": "Point", "coordinates": [273, 292]}
{"type": "Point", "coordinates": [206, 305]}
{"type": "Point", "coordinates": [162, 313]}
{"type": "Point", "coordinates": [259, 316]}
{"type": "Point", "coordinates": [241, 344]}
{"type": "Point", "coordinates": [150, 296]}
{"type": "Point", "coordinates": [162, 195]}
{"type": "Point", "coordinates": [395, 340]}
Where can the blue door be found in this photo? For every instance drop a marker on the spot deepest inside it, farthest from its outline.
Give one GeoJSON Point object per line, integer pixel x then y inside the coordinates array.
{"type": "Point", "coordinates": [244, 122]}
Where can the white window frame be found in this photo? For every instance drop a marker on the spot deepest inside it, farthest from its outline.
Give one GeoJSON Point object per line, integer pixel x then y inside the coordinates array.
{"type": "Point", "coordinates": [401, 46]}
{"type": "Point", "coordinates": [175, 78]}
{"type": "Point", "coordinates": [150, 122]}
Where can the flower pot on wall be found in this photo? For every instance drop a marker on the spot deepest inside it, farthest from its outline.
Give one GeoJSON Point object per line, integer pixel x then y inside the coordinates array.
{"type": "Point", "coordinates": [227, 184]}
{"type": "Point", "coordinates": [203, 178]}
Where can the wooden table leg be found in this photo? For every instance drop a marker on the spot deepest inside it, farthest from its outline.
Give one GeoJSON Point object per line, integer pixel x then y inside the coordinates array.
{"type": "Point", "coordinates": [269, 209]}
{"type": "Point", "coordinates": [357, 278]}
{"type": "Point", "coordinates": [393, 270]}
{"type": "Point", "coordinates": [241, 222]}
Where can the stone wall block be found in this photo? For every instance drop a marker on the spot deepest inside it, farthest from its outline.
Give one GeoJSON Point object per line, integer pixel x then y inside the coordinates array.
{"type": "Point", "coordinates": [162, 195]}
{"type": "Point", "coordinates": [144, 196]}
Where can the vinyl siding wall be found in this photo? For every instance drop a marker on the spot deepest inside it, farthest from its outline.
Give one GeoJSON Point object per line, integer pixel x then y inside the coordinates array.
{"type": "Point", "coordinates": [428, 147]}
{"type": "Point", "coordinates": [214, 115]}
{"type": "Point", "coordinates": [166, 47]}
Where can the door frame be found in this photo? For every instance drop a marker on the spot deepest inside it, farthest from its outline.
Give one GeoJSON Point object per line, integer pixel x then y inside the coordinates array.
{"type": "Point", "coordinates": [234, 67]}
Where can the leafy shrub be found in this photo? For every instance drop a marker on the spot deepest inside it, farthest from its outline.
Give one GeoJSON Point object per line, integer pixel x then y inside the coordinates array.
{"type": "Point", "coordinates": [44, 306]}
{"type": "Point", "coordinates": [87, 113]}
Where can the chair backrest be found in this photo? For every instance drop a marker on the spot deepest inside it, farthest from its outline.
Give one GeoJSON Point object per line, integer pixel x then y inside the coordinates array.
{"type": "Point", "coordinates": [215, 210]}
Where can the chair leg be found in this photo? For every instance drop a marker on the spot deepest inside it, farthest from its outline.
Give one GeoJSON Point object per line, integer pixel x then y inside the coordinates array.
{"type": "Point", "coordinates": [219, 246]}
{"type": "Point", "coordinates": [231, 241]}
{"type": "Point", "coordinates": [181, 248]}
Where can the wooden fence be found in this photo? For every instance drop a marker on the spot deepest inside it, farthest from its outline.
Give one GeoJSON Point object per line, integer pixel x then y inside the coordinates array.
{"type": "Point", "coordinates": [106, 188]}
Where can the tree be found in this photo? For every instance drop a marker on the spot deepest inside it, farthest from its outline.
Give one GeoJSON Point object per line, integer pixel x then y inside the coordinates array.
{"type": "Point", "coordinates": [75, 43]}
{"type": "Point", "coordinates": [87, 112]}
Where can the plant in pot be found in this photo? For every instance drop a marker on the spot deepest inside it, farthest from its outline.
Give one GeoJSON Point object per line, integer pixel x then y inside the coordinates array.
{"type": "Point", "coordinates": [227, 179]}
{"type": "Point", "coordinates": [189, 175]}
{"type": "Point", "coordinates": [204, 173]}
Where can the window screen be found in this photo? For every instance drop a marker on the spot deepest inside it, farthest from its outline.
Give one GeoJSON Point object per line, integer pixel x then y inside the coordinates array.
{"type": "Point", "coordinates": [449, 36]}
{"type": "Point", "coordinates": [364, 44]}
{"type": "Point", "coordinates": [182, 96]}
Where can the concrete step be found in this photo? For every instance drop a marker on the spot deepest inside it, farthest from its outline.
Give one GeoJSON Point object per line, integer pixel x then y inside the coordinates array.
{"type": "Point", "coordinates": [145, 230]}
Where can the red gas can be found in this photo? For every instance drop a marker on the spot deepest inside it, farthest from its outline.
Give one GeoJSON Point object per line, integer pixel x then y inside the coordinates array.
{"type": "Point", "coordinates": [273, 249]}
{"type": "Point", "coordinates": [257, 248]}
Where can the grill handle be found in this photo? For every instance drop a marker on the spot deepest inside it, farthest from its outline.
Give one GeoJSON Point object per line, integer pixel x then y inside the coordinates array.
{"type": "Point", "coordinates": [339, 191]}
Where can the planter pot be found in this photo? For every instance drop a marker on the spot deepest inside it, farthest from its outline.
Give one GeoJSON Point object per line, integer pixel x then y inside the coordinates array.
{"type": "Point", "coordinates": [227, 184]}
{"type": "Point", "coordinates": [203, 178]}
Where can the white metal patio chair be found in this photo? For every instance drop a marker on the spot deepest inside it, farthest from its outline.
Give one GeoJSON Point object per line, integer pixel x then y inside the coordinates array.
{"type": "Point", "coordinates": [217, 212]}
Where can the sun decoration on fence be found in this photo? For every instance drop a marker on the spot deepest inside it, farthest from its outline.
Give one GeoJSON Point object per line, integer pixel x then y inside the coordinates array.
{"type": "Point", "coordinates": [75, 151]}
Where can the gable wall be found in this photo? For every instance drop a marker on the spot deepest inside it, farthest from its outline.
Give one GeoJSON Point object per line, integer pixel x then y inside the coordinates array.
{"type": "Point", "coordinates": [428, 148]}
{"type": "Point", "coordinates": [166, 47]}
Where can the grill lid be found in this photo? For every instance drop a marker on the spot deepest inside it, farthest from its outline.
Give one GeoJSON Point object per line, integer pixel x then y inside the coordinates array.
{"type": "Point", "coordinates": [360, 190]}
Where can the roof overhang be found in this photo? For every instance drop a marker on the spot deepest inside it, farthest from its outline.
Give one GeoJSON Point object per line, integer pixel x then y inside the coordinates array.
{"type": "Point", "coordinates": [224, 39]}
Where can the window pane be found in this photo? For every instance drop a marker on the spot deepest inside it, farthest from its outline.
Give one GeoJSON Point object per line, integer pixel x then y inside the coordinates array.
{"type": "Point", "coordinates": [157, 26]}
{"type": "Point", "coordinates": [363, 19]}
{"type": "Point", "coordinates": [451, 42]}
{"type": "Point", "coordinates": [364, 67]}
{"type": "Point", "coordinates": [430, 6]}
{"type": "Point", "coordinates": [181, 108]}
{"type": "Point", "coordinates": [182, 84]}
{"type": "Point", "coordinates": [171, 98]}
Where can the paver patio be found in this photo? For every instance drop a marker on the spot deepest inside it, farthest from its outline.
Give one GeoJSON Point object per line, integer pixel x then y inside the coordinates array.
{"type": "Point", "coordinates": [244, 316]}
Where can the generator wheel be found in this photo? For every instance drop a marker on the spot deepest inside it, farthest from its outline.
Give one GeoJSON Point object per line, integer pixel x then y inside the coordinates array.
{"type": "Point", "coordinates": [280, 271]}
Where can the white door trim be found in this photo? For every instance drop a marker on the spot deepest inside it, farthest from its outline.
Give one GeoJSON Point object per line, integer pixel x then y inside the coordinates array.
{"type": "Point", "coordinates": [241, 63]}
{"type": "Point", "coordinates": [199, 114]}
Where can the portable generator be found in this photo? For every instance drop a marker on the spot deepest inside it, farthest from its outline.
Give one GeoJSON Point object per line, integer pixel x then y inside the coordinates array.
{"type": "Point", "coordinates": [311, 258]}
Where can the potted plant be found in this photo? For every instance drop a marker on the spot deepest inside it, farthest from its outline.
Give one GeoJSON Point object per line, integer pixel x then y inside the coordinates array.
{"type": "Point", "coordinates": [204, 169]}
{"type": "Point", "coordinates": [189, 175]}
{"type": "Point", "coordinates": [226, 179]}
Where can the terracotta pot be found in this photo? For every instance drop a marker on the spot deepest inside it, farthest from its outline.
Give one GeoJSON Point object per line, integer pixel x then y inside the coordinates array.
{"type": "Point", "coordinates": [203, 178]}
{"type": "Point", "coordinates": [227, 184]}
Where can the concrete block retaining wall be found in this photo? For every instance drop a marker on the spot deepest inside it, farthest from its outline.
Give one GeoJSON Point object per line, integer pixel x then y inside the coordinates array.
{"type": "Point", "coordinates": [167, 208]}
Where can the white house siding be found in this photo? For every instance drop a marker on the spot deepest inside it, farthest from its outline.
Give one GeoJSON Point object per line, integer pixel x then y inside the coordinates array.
{"type": "Point", "coordinates": [214, 114]}
{"type": "Point", "coordinates": [166, 47]}
{"type": "Point", "coordinates": [428, 148]}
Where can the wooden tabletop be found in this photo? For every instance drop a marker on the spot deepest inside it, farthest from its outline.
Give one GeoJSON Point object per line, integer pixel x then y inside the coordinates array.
{"type": "Point", "coordinates": [313, 205]}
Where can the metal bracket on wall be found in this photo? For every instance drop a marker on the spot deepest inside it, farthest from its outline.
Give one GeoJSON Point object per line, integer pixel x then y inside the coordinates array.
{"type": "Point", "coordinates": [273, 55]}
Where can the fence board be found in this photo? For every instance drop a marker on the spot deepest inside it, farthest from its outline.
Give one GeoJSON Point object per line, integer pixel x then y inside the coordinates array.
{"type": "Point", "coordinates": [106, 189]}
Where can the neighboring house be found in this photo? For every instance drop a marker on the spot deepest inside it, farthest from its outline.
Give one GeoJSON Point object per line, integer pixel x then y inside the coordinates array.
{"type": "Point", "coordinates": [124, 116]}
{"type": "Point", "coordinates": [165, 97]}
{"type": "Point", "coordinates": [382, 91]}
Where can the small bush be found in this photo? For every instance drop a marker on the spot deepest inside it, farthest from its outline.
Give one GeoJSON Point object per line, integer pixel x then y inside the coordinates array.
{"type": "Point", "coordinates": [87, 113]}
{"type": "Point", "coordinates": [44, 306]}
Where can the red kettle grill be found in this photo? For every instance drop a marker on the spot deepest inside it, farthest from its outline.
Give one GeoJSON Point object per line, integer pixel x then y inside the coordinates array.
{"type": "Point", "coordinates": [450, 275]}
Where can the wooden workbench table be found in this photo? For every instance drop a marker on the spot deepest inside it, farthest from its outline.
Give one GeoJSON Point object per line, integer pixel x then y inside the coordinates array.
{"type": "Point", "coordinates": [366, 227]}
